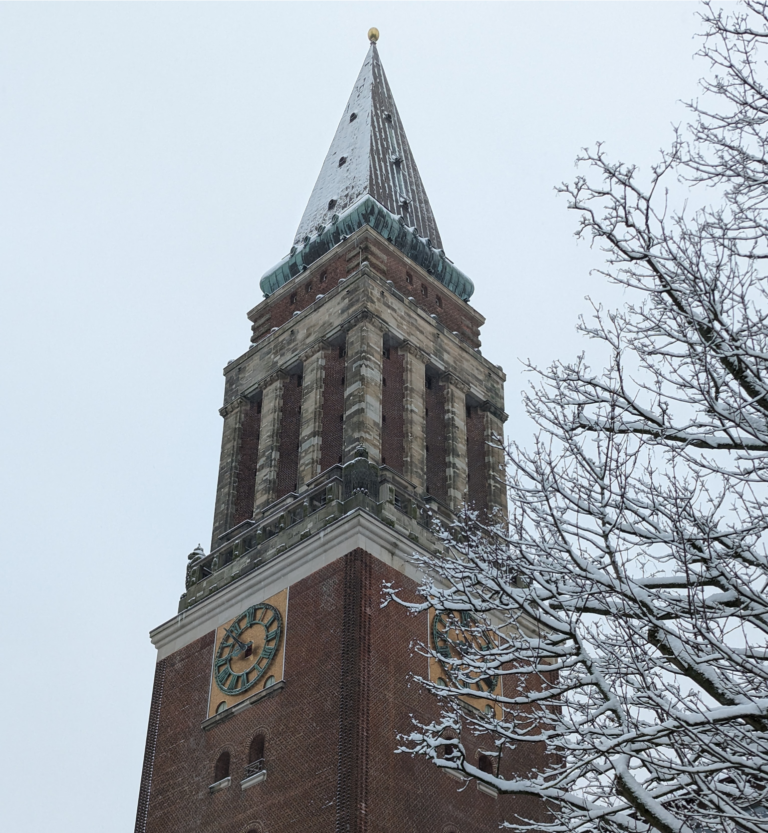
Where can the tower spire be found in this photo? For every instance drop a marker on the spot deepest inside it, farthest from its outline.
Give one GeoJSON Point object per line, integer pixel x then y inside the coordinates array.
{"type": "Point", "coordinates": [370, 155]}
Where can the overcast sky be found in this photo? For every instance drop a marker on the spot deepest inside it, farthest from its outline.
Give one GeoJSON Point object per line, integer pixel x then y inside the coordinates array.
{"type": "Point", "coordinates": [155, 161]}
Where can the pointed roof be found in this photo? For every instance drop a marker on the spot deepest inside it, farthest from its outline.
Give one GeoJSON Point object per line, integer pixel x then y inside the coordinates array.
{"type": "Point", "coordinates": [370, 155]}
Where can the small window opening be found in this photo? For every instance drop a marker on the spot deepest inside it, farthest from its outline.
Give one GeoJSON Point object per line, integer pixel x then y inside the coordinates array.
{"type": "Point", "coordinates": [308, 287]}
{"type": "Point", "coordinates": [424, 290]}
{"type": "Point", "coordinates": [352, 116]}
{"type": "Point", "coordinates": [386, 353]}
{"type": "Point", "coordinates": [255, 756]}
{"type": "Point", "coordinates": [323, 277]}
{"type": "Point", "coordinates": [221, 770]}
{"type": "Point", "coordinates": [383, 381]}
{"type": "Point", "coordinates": [342, 161]}
{"type": "Point", "coordinates": [429, 383]}
{"type": "Point", "coordinates": [341, 417]}
{"type": "Point", "coordinates": [485, 764]}
{"type": "Point", "coordinates": [387, 116]}
{"type": "Point", "coordinates": [299, 380]}
{"type": "Point", "coordinates": [343, 380]}
{"type": "Point", "coordinates": [409, 278]}
{"type": "Point", "coordinates": [258, 406]}
{"type": "Point", "coordinates": [331, 204]}
{"type": "Point", "coordinates": [342, 351]}
{"type": "Point", "coordinates": [383, 418]}
{"type": "Point", "coordinates": [293, 299]}
{"type": "Point", "coordinates": [339, 457]}
{"type": "Point", "coordinates": [439, 301]}
{"type": "Point", "coordinates": [469, 412]}
{"type": "Point", "coordinates": [427, 453]}
{"type": "Point", "coordinates": [383, 461]}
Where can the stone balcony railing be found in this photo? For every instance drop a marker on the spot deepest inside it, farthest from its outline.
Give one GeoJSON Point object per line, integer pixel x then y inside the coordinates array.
{"type": "Point", "coordinates": [358, 484]}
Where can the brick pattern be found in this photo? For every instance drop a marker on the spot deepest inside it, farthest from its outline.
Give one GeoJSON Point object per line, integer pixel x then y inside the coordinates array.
{"type": "Point", "coordinates": [392, 410]}
{"type": "Point", "coordinates": [330, 734]}
{"type": "Point", "coordinates": [248, 459]}
{"type": "Point", "coordinates": [145, 789]}
{"type": "Point", "coordinates": [434, 401]}
{"type": "Point", "coordinates": [332, 447]}
{"type": "Point", "coordinates": [477, 473]}
{"type": "Point", "coordinates": [354, 729]}
{"type": "Point", "coordinates": [290, 427]}
{"type": "Point", "coordinates": [428, 294]}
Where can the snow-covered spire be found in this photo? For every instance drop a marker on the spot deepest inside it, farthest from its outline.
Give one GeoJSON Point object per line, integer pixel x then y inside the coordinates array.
{"type": "Point", "coordinates": [370, 154]}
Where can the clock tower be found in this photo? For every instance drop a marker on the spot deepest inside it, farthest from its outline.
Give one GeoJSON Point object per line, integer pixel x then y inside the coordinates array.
{"type": "Point", "coordinates": [362, 409]}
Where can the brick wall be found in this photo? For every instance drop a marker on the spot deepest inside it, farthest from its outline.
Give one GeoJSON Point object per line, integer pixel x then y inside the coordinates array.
{"type": "Point", "coordinates": [247, 461]}
{"type": "Point", "coordinates": [332, 445]}
{"type": "Point", "coordinates": [290, 427]}
{"type": "Point", "coordinates": [331, 732]}
{"type": "Point", "coordinates": [392, 410]}
{"type": "Point", "coordinates": [477, 473]}
{"type": "Point", "coordinates": [453, 313]}
{"type": "Point", "coordinates": [434, 401]}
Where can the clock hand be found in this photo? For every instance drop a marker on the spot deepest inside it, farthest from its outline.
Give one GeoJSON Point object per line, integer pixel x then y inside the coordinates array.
{"type": "Point", "coordinates": [241, 644]}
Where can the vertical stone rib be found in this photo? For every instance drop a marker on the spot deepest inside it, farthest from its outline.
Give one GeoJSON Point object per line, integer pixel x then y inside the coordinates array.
{"type": "Point", "coordinates": [414, 424]}
{"type": "Point", "coordinates": [352, 765]}
{"type": "Point", "coordinates": [310, 444]}
{"type": "Point", "coordinates": [495, 461]}
{"type": "Point", "coordinates": [233, 414]}
{"type": "Point", "coordinates": [362, 395]}
{"type": "Point", "coordinates": [145, 789]}
{"type": "Point", "coordinates": [455, 439]}
{"type": "Point", "coordinates": [269, 441]}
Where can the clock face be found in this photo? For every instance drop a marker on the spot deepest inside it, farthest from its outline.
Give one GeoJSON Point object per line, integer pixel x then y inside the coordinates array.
{"type": "Point", "coordinates": [247, 648]}
{"type": "Point", "coordinates": [452, 635]}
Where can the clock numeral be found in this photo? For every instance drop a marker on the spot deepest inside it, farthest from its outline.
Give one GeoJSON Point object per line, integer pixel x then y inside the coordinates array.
{"type": "Point", "coordinates": [221, 661]}
{"type": "Point", "coordinates": [221, 678]}
{"type": "Point", "coordinates": [234, 682]}
{"type": "Point", "coordinates": [269, 651]}
{"type": "Point", "coordinates": [268, 625]}
{"type": "Point", "coordinates": [270, 636]}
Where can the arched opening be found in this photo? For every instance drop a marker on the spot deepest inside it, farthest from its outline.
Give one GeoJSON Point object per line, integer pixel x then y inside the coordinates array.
{"type": "Point", "coordinates": [221, 770]}
{"type": "Point", "coordinates": [485, 764]}
{"type": "Point", "coordinates": [255, 756]}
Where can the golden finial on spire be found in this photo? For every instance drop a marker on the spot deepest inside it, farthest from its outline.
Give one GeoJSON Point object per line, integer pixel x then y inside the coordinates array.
{"type": "Point", "coordinates": [373, 34]}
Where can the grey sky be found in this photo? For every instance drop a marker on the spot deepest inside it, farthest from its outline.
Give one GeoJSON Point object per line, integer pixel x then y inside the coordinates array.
{"type": "Point", "coordinates": [155, 160]}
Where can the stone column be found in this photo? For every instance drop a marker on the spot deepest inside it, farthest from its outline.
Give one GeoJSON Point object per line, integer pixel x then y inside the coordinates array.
{"type": "Point", "coordinates": [233, 413]}
{"type": "Point", "coordinates": [310, 435]}
{"type": "Point", "coordinates": [455, 439]}
{"type": "Point", "coordinates": [495, 460]}
{"type": "Point", "coordinates": [362, 393]}
{"type": "Point", "coordinates": [414, 417]}
{"type": "Point", "coordinates": [269, 442]}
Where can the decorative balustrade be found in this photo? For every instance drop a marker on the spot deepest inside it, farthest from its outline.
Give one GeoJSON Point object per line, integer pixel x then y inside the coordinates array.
{"type": "Point", "coordinates": [357, 484]}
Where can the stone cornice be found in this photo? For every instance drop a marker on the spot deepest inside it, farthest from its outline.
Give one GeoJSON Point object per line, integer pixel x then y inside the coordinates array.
{"type": "Point", "coordinates": [494, 410]}
{"type": "Point", "coordinates": [235, 405]}
{"type": "Point", "coordinates": [314, 349]}
{"type": "Point", "coordinates": [455, 382]}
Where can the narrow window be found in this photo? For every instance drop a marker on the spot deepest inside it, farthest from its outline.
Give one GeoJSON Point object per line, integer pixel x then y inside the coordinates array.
{"type": "Point", "coordinates": [323, 277]}
{"type": "Point", "coordinates": [386, 353]}
{"type": "Point", "coordinates": [308, 287]}
{"type": "Point", "coordinates": [342, 161]}
{"type": "Point", "coordinates": [258, 406]}
{"type": "Point", "coordinates": [424, 290]}
{"type": "Point", "coordinates": [341, 417]}
{"type": "Point", "coordinates": [383, 418]}
{"type": "Point", "coordinates": [293, 299]}
{"type": "Point", "coordinates": [409, 278]}
{"type": "Point", "coordinates": [255, 756]}
{"type": "Point", "coordinates": [439, 301]}
{"type": "Point", "coordinates": [343, 380]}
{"type": "Point", "coordinates": [429, 383]}
{"type": "Point", "coordinates": [485, 764]}
{"type": "Point", "coordinates": [299, 380]}
{"type": "Point", "coordinates": [342, 351]}
{"type": "Point", "coordinates": [383, 461]}
{"type": "Point", "coordinates": [352, 116]}
{"type": "Point", "coordinates": [221, 770]}
{"type": "Point", "coordinates": [383, 381]}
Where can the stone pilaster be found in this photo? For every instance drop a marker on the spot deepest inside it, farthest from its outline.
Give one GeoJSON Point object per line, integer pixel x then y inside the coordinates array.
{"type": "Point", "coordinates": [269, 442]}
{"type": "Point", "coordinates": [233, 413]}
{"type": "Point", "coordinates": [414, 419]}
{"type": "Point", "coordinates": [362, 394]}
{"type": "Point", "coordinates": [455, 439]}
{"type": "Point", "coordinates": [495, 461]}
{"type": "Point", "coordinates": [310, 437]}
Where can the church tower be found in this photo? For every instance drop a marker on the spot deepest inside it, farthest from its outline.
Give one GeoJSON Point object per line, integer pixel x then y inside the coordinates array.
{"type": "Point", "coordinates": [362, 409]}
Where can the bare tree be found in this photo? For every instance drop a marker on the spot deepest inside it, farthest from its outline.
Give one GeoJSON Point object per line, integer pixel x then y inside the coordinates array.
{"type": "Point", "coordinates": [627, 598]}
